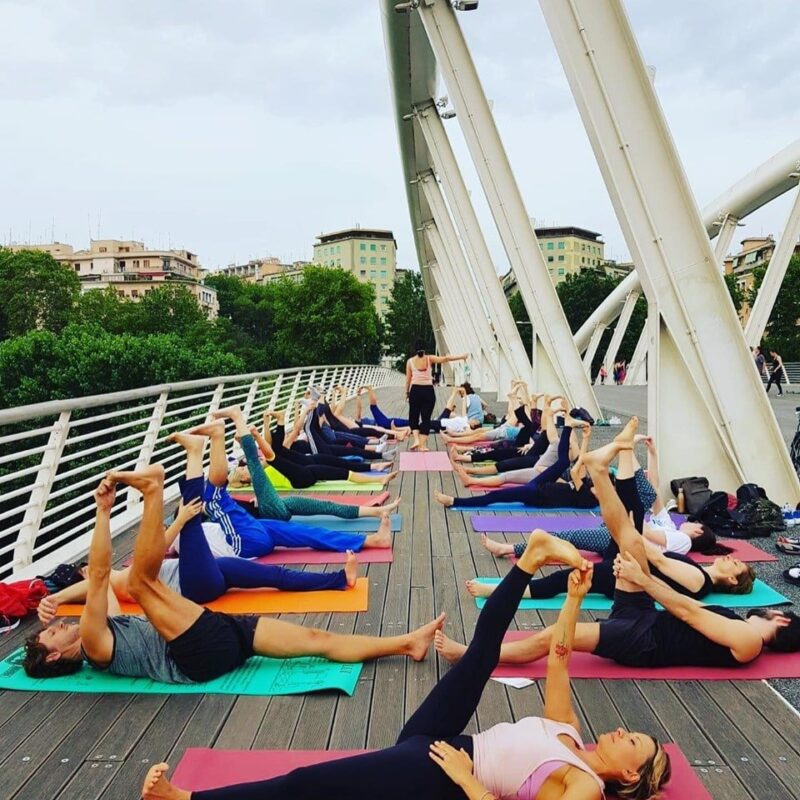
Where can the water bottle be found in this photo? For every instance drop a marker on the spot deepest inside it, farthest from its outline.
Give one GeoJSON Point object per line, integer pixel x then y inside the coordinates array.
{"type": "Point", "coordinates": [787, 515]}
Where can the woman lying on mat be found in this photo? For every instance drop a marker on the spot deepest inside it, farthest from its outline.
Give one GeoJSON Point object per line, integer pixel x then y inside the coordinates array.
{"type": "Point", "coordinates": [201, 580]}
{"type": "Point", "coordinates": [378, 417]}
{"type": "Point", "coordinates": [546, 490]}
{"type": "Point", "coordinates": [178, 641]}
{"type": "Point", "coordinates": [686, 633]}
{"type": "Point", "coordinates": [392, 428]}
{"type": "Point", "coordinates": [248, 536]}
{"type": "Point", "coordinates": [537, 758]}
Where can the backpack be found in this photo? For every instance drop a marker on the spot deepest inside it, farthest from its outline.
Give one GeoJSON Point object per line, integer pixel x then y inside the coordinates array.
{"type": "Point", "coordinates": [695, 492]}
{"type": "Point", "coordinates": [749, 493]}
{"type": "Point", "coordinates": [63, 575]}
{"type": "Point", "coordinates": [716, 515]}
{"type": "Point", "coordinates": [758, 518]}
{"type": "Point", "coordinates": [20, 597]}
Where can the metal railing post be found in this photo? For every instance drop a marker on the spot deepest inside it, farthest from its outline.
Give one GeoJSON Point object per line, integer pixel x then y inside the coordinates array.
{"type": "Point", "coordinates": [149, 442]}
{"type": "Point", "coordinates": [251, 398]}
{"type": "Point", "coordinates": [26, 537]}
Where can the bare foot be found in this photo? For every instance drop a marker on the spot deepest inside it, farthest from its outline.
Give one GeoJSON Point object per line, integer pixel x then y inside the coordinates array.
{"type": "Point", "coordinates": [600, 459]}
{"type": "Point", "coordinates": [383, 538]}
{"type": "Point", "coordinates": [455, 455]}
{"type": "Point", "coordinates": [478, 589]}
{"type": "Point", "coordinates": [389, 478]}
{"type": "Point", "coordinates": [447, 648]}
{"type": "Point", "coordinates": [351, 568]}
{"type": "Point", "coordinates": [462, 474]}
{"type": "Point", "coordinates": [378, 511]}
{"type": "Point", "coordinates": [497, 549]}
{"type": "Point", "coordinates": [230, 412]}
{"type": "Point", "coordinates": [401, 434]}
{"type": "Point", "coordinates": [380, 466]}
{"type": "Point", "coordinates": [419, 641]}
{"type": "Point", "coordinates": [542, 548]}
{"type": "Point", "coordinates": [571, 422]}
{"type": "Point", "coordinates": [147, 480]}
{"type": "Point", "coordinates": [157, 787]}
{"type": "Point", "coordinates": [189, 442]}
{"type": "Point", "coordinates": [215, 428]}
{"type": "Point", "coordinates": [445, 499]}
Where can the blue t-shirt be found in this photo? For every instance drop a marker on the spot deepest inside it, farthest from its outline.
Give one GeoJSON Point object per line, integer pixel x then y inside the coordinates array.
{"type": "Point", "coordinates": [474, 408]}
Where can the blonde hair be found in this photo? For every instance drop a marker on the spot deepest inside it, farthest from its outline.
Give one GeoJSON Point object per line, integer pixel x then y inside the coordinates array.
{"type": "Point", "coordinates": [653, 774]}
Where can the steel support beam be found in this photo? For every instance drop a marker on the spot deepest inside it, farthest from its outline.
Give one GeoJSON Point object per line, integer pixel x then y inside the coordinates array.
{"type": "Point", "coordinates": [773, 278]}
{"type": "Point", "coordinates": [727, 227]}
{"type": "Point", "coordinates": [461, 285]}
{"type": "Point", "coordinates": [591, 348]}
{"type": "Point", "coordinates": [697, 354]}
{"type": "Point", "coordinates": [512, 356]}
{"type": "Point", "coordinates": [636, 374]}
{"type": "Point", "coordinates": [619, 330]}
{"type": "Point", "coordinates": [558, 365]}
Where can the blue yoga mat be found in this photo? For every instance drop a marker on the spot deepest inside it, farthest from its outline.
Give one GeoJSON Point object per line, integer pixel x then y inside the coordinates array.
{"type": "Point", "coordinates": [520, 508]}
{"type": "Point", "coordinates": [340, 524]}
{"type": "Point", "coordinates": [762, 595]}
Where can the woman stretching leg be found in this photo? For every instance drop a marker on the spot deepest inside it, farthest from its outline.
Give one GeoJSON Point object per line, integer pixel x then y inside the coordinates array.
{"type": "Point", "coordinates": [432, 759]}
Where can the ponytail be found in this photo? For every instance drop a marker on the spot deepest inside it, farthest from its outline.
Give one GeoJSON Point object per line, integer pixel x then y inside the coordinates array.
{"type": "Point", "coordinates": [706, 543]}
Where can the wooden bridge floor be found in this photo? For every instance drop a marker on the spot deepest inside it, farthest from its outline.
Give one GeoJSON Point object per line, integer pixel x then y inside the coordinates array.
{"type": "Point", "coordinates": [742, 738]}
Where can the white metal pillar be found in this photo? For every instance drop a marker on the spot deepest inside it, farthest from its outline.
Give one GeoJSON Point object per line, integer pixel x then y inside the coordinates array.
{"type": "Point", "coordinates": [619, 331]}
{"type": "Point", "coordinates": [773, 278]}
{"type": "Point", "coordinates": [727, 227]}
{"type": "Point", "coordinates": [636, 374]}
{"type": "Point", "coordinates": [704, 397]}
{"type": "Point", "coordinates": [591, 348]}
{"type": "Point", "coordinates": [511, 347]}
{"type": "Point", "coordinates": [460, 284]}
{"type": "Point", "coordinates": [558, 364]}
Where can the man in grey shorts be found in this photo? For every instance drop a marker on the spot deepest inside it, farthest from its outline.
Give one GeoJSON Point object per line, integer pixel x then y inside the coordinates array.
{"type": "Point", "coordinates": [179, 641]}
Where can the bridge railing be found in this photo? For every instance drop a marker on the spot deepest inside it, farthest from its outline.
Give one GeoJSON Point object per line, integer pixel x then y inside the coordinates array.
{"type": "Point", "coordinates": [52, 455]}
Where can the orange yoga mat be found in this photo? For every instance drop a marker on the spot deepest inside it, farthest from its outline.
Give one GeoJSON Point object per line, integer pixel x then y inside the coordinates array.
{"type": "Point", "coordinates": [268, 601]}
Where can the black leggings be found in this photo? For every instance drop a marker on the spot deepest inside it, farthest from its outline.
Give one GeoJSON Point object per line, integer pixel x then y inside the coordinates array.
{"type": "Point", "coordinates": [338, 425]}
{"type": "Point", "coordinates": [776, 377]}
{"type": "Point", "coordinates": [309, 460]}
{"type": "Point", "coordinates": [406, 770]}
{"type": "Point", "coordinates": [338, 450]}
{"type": "Point", "coordinates": [629, 494]}
{"type": "Point", "coordinates": [421, 400]}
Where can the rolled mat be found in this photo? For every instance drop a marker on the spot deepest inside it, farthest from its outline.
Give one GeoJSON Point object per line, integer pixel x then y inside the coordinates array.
{"type": "Point", "coordinates": [264, 677]}
{"type": "Point", "coordinates": [202, 769]}
{"type": "Point", "coordinates": [762, 595]}
{"type": "Point", "coordinates": [584, 665]}
{"type": "Point", "coordinates": [425, 462]}
{"type": "Point", "coordinates": [305, 555]}
{"type": "Point", "coordinates": [520, 508]}
{"type": "Point", "coordinates": [339, 524]}
{"type": "Point", "coordinates": [267, 601]}
{"type": "Point", "coordinates": [365, 500]}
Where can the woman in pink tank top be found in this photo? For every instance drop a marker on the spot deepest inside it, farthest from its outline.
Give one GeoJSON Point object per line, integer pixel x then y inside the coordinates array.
{"type": "Point", "coordinates": [538, 758]}
{"type": "Point", "coordinates": [420, 393]}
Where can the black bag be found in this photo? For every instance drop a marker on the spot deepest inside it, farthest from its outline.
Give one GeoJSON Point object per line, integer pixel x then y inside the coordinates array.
{"type": "Point", "coordinates": [749, 493]}
{"type": "Point", "coordinates": [715, 514]}
{"type": "Point", "coordinates": [758, 518]}
{"type": "Point", "coordinates": [695, 492]}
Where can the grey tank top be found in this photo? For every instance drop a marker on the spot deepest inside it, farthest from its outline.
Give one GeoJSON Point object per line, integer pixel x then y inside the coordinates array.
{"type": "Point", "coordinates": [169, 574]}
{"type": "Point", "coordinates": [140, 652]}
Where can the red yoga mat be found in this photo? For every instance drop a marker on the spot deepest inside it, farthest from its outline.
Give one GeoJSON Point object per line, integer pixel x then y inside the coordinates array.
{"type": "Point", "coordinates": [202, 769]}
{"type": "Point", "coordinates": [305, 555]}
{"type": "Point", "coordinates": [425, 462]}
{"type": "Point", "coordinates": [584, 665]}
{"type": "Point", "coordinates": [344, 499]}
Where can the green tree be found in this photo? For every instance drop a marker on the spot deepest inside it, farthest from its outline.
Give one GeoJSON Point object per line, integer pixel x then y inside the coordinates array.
{"type": "Point", "coordinates": [104, 307]}
{"type": "Point", "coordinates": [36, 292]}
{"type": "Point", "coordinates": [735, 291]}
{"type": "Point", "coordinates": [521, 317]}
{"type": "Point", "coordinates": [168, 308]}
{"type": "Point", "coordinates": [782, 333]}
{"type": "Point", "coordinates": [407, 318]}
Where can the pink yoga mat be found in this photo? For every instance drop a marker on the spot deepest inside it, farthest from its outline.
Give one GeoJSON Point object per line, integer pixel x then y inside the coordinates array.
{"type": "Point", "coordinates": [305, 555]}
{"type": "Point", "coordinates": [585, 665]}
{"type": "Point", "coordinates": [202, 769]}
{"type": "Point", "coordinates": [425, 462]}
{"type": "Point", "coordinates": [344, 499]}
{"type": "Point", "coordinates": [525, 523]}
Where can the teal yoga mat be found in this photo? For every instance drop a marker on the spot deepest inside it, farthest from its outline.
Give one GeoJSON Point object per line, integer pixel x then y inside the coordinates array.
{"type": "Point", "coordinates": [339, 524]}
{"type": "Point", "coordinates": [265, 677]}
{"type": "Point", "coordinates": [320, 486]}
{"type": "Point", "coordinates": [762, 595]}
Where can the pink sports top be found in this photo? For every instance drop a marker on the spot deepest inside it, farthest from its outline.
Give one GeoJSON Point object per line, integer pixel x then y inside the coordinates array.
{"type": "Point", "coordinates": [513, 760]}
{"type": "Point", "coordinates": [421, 377]}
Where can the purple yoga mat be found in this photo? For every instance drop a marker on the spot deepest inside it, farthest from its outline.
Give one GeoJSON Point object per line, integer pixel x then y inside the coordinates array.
{"type": "Point", "coordinates": [525, 523]}
{"type": "Point", "coordinates": [202, 769]}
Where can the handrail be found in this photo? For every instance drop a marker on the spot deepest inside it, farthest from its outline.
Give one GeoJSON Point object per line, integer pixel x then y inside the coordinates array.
{"type": "Point", "coordinates": [52, 454]}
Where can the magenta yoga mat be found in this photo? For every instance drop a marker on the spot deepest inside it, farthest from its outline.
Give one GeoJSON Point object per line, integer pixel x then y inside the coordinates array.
{"type": "Point", "coordinates": [525, 523]}
{"type": "Point", "coordinates": [305, 555]}
{"type": "Point", "coordinates": [584, 665]}
{"type": "Point", "coordinates": [202, 769]}
{"type": "Point", "coordinates": [425, 462]}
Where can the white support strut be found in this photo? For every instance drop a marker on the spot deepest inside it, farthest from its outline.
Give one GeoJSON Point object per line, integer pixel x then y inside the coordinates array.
{"type": "Point", "coordinates": [697, 348]}
{"type": "Point", "coordinates": [636, 374]}
{"type": "Point", "coordinates": [619, 330]}
{"type": "Point", "coordinates": [558, 363]}
{"type": "Point", "coordinates": [591, 349]}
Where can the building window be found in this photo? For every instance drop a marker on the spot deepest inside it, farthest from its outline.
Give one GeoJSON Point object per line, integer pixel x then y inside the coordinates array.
{"type": "Point", "coordinates": [146, 263]}
{"type": "Point", "coordinates": [550, 258]}
{"type": "Point", "coordinates": [338, 248]}
{"type": "Point", "coordinates": [363, 272]}
{"type": "Point", "coordinates": [372, 260]}
{"type": "Point", "coordinates": [583, 260]}
{"type": "Point", "coordinates": [561, 245]}
{"type": "Point", "coordinates": [561, 270]}
{"type": "Point", "coordinates": [583, 247]}
{"type": "Point", "coordinates": [103, 249]}
{"type": "Point", "coordinates": [373, 248]}
{"type": "Point", "coordinates": [373, 274]}
{"type": "Point", "coordinates": [549, 245]}
{"type": "Point", "coordinates": [77, 268]}
{"type": "Point", "coordinates": [383, 248]}
{"type": "Point", "coordinates": [135, 293]}
{"type": "Point", "coordinates": [561, 258]}
{"type": "Point", "coordinates": [383, 260]}
{"type": "Point", "coordinates": [362, 246]}
{"type": "Point", "coordinates": [363, 259]}
{"type": "Point", "coordinates": [383, 272]}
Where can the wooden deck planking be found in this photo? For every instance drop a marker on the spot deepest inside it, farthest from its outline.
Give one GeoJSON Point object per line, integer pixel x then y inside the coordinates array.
{"type": "Point", "coordinates": [92, 746]}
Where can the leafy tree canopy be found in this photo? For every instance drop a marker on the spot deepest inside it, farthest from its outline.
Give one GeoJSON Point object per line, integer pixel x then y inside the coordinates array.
{"type": "Point", "coordinates": [407, 318]}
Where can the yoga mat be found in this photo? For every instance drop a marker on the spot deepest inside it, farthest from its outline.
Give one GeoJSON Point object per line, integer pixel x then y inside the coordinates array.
{"type": "Point", "coordinates": [339, 486]}
{"type": "Point", "coordinates": [762, 595]}
{"type": "Point", "coordinates": [584, 665]}
{"type": "Point", "coordinates": [366, 500]}
{"type": "Point", "coordinates": [518, 508]}
{"type": "Point", "coordinates": [267, 601]}
{"type": "Point", "coordinates": [505, 523]}
{"type": "Point", "coordinates": [339, 524]}
{"type": "Point", "coordinates": [264, 677]}
{"type": "Point", "coordinates": [425, 462]}
{"type": "Point", "coordinates": [742, 550]}
{"type": "Point", "coordinates": [305, 555]}
{"type": "Point", "coordinates": [202, 769]}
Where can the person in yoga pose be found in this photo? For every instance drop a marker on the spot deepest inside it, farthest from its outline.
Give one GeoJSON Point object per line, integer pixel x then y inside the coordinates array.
{"type": "Point", "coordinates": [536, 758]}
{"type": "Point", "coordinates": [685, 633]}
{"type": "Point", "coordinates": [420, 392]}
{"type": "Point", "coordinates": [545, 490]}
{"type": "Point", "coordinates": [378, 417]}
{"type": "Point", "coordinates": [392, 429]}
{"type": "Point", "coordinates": [474, 407]}
{"type": "Point", "coordinates": [177, 640]}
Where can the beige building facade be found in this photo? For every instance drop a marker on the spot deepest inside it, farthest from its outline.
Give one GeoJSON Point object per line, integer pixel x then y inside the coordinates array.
{"type": "Point", "coordinates": [368, 253]}
{"type": "Point", "coordinates": [265, 270]}
{"type": "Point", "coordinates": [131, 269]}
{"type": "Point", "coordinates": [569, 249]}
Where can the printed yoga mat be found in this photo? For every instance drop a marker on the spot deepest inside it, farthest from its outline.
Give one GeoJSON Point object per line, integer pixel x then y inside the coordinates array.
{"type": "Point", "coordinates": [762, 595]}
{"type": "Point", "coordinates": [267, 601]}
{"type": "Point", "coordinates": [305, 555]}
{"type": "Point", "coordinates": [203, 769]}
{"type": "Point", "coordinates": [584, 665]}
{"type": "Point", "coordinates": [367, 524]}
{"type": "Point", "coordinates": [425, 462]}
{"type": "Point", "coordinates": [264, 677]}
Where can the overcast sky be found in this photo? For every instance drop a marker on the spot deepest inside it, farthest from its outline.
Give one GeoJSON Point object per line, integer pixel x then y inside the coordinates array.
{"type": "Point", "coordinates": [244, 129]}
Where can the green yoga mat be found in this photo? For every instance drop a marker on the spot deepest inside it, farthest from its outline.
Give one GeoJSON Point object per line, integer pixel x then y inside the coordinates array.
{"type": "Point", "coordinates": [265, 677]}
{"type": "Point", "coordinates": [762, 595]}
{"type": "Point", "coordinates": [322, 487]}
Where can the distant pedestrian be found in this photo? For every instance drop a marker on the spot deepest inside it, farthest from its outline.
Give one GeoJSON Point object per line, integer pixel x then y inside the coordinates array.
{"type": "Point", "coordinates": [776, 372]}
{"type": "Point", "coordinates": [603, 375]}
{"type": "Point", "coordinates": [761, 362]}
